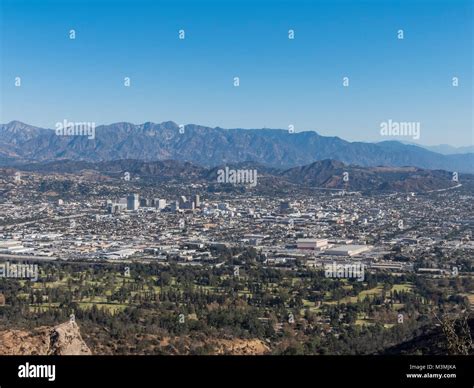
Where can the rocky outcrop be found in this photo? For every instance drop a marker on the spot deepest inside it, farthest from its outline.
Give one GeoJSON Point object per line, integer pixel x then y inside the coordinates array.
{"type": "Point", "coordinates": [241, 347]}
{"type": "Point", "coordinates": [215, 346]}
{"type": "Point", "coordinates": [63, 339]}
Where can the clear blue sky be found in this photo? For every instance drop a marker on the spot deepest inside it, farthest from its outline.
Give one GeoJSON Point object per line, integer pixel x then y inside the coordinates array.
{"type": "Point", "coordinates": [283, 81]}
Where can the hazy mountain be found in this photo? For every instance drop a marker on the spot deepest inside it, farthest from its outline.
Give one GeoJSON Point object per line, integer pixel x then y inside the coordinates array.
{"type": "Point", "coordinates": [446, 149]}
{"type": "Point", "coordinates": [213, 146]}
{"type": "Point", "coordinates": [321, 174]}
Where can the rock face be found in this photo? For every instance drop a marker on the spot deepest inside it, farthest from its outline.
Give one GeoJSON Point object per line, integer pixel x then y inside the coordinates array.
{"type": "Point", "coordinates": [241, 347]}
{"type": "Point", "coordinates": [64, 339]}
{"type": "Point", "coordinates": [215, 346]}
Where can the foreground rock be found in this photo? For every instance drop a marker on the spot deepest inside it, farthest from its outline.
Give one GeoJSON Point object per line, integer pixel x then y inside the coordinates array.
{"type": "Point", "coordinates": [63, 339]}
{"type": "Point", "coordinates": [241, 347]}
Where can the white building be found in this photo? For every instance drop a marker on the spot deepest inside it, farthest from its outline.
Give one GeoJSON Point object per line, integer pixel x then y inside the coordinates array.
{"type": "Point", "coordinates": [312, 243]}
{"type": "Point", "coordinates": [348, 250]}
{"type": "Point", "coordinates": [160, 203]}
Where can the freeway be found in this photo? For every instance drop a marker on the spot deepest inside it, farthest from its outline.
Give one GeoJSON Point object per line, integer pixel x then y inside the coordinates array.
{"type": "Point", "coordinates": [6, 256]}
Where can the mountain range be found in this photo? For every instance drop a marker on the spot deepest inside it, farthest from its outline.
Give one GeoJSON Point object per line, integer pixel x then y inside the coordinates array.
{"type": "Point", "coordinates": [447, 149]}
{"type": "Point", "coordinates": [327, 174]}
{"type": "Point", "coordinates": [205, 146]}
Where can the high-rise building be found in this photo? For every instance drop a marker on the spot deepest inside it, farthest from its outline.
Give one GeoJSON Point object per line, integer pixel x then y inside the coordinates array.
{"type": "Point", "coordinates": [144, 202]}
{"type": "Point", "coordinates": [174, 206]}
{"type": "Point", "coordinates": [160, 203]}
{"type": "Point", "coordinates": [197, 201]}
{"type": "Point", "coordinates": [188, 205]}
{"type": "Point", "coordinates": [133, 202]}
{"type": "Point", "coordinates": [115, 208]}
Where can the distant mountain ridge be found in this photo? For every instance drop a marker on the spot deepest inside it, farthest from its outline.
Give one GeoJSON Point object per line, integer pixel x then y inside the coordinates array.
{"type": "Point", "coordinates": [446, 149]}
{"type": "Point", "coordinates": [328, 174]}
{"type": "Point", "coordinates": [20, 143]}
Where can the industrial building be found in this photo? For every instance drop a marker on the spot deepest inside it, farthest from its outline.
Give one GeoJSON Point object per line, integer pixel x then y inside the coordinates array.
{"type": "Point", "coordinates": [312, 243]}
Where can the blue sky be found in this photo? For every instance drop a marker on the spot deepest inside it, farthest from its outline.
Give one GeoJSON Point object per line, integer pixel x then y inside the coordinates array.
{"type": "Point", "coordinates": [282, 81]}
